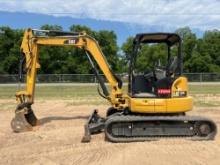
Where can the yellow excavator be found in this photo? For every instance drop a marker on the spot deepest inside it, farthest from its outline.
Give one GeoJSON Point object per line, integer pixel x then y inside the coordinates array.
{"type": "Point", "coordinates": [154, 106]}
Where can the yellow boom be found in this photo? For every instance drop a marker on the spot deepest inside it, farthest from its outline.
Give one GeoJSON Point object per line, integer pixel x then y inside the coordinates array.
{"type": "Point", "coordinates": [30, 47]}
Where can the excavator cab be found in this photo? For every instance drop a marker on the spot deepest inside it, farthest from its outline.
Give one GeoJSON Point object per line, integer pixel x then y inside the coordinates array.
{"type": "Point", "coordinates": [155, 82]}
{"type": "Point", "coordinates": [158, 86]}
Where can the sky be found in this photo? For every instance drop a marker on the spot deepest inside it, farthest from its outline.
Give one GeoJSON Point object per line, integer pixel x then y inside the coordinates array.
{"type": "Point", "coordinates": [125, 17]}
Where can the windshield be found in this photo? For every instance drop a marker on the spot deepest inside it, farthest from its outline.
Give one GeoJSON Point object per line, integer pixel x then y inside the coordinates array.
{"type": "Point", "coordinates": [154, 56]}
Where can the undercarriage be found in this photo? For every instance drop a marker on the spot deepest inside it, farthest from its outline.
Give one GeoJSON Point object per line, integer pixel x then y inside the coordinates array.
{"type": "Point", "coordinates": [123, 127]}
{"type": "Point", "coordinates": [130, 128]}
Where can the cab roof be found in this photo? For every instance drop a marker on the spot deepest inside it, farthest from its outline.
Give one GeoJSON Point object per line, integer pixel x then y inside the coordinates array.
{"type": "Point", "coordinates": [169, 38]}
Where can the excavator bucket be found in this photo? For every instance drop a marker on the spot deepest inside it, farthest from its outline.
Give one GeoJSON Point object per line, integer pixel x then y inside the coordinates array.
{"type": "Point", "coordinates": [24, 120]}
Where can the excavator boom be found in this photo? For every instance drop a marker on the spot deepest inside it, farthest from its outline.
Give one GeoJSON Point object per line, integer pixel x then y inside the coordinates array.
{"type": "Point", "coordinates": [25, 117]}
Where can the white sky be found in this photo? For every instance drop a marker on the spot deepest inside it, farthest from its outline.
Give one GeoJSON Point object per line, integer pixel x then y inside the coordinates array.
{"type": "Point", "coordinates": [202, 14]}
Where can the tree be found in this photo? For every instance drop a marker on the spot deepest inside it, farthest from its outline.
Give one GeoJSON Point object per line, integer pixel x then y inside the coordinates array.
{"type": "Point", "coordinates": [10, 42]}
{"type": "Point", "coordinates": [189, 42]}
{"type": "Point", "coordinates": [127, 48]}
{"type": "Point", "coordinates": [210, 46]}
{"type": "Point", "coordinates": [53, 58]}
{"type": "Point", "coordinates": [107, 41]}
{"type": "Point", "coordinates": [200, 54]}
{"type": "Point", "coordinates": [148, 56]}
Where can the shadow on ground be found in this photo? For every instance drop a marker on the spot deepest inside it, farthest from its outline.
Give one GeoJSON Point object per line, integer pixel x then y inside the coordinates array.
{"type": "Point", "coordinates": [51, 118]}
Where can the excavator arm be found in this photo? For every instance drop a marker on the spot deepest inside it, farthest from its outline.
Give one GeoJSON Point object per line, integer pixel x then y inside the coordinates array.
{"type": "Point", "coordinates": [32, 40]}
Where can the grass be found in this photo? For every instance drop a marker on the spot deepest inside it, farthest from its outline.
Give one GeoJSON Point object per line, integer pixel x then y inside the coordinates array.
{"type": "Point", "coordinates": [204, 89]}
{"type": "Point", "coordinates": [54, 91]}
{"type": "Point", "coordinates": [79, 95]}
{"type": "Point", "coordinates": [204, 95]}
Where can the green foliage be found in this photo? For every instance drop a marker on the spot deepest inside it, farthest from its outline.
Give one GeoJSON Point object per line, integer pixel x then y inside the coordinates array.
{"type": "Point", "coordinates": [149, 55]}
{"type": "Point", "coordinates": [108, 43]}
{"type": "Point", "coordinates": [10, 42]}
{"type": "Point", "coordinates": [127, 48]}
{"type": "Point", "coordinates": [200, 54]}
{"type": "Point", "coordinates": [52, 58]}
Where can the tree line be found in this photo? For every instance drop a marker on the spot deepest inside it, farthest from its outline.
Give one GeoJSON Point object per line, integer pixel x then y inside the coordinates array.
{"type": "Point", "coordinates": [200, 54]}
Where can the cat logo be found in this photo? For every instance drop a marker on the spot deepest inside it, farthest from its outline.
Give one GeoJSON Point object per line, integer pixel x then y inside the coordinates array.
{"type": "Point", "coordinates": [71, 42]}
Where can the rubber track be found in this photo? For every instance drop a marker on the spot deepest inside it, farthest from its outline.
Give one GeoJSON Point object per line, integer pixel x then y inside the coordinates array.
{"type": "Point", "coordinates": [129, 118]}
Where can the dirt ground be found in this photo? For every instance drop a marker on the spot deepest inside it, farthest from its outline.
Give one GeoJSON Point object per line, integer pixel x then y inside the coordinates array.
{"type": "Point", "coordinates": [57, 141]}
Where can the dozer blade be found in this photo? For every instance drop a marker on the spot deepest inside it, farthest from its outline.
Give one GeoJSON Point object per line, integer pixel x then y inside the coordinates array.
{"type": "Point", "coordinates": [95, 124]}
{"type": "Point", "coordinates": [24, 120]}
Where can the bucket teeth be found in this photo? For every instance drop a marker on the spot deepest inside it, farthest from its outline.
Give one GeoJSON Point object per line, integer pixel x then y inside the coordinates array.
{"type": "Point", "coordinates": [24, 120]}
